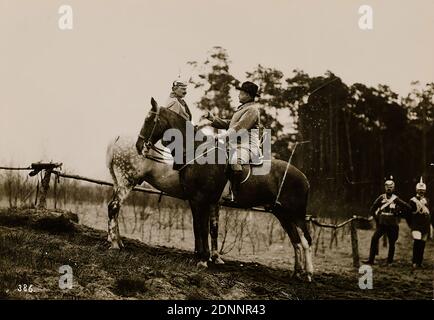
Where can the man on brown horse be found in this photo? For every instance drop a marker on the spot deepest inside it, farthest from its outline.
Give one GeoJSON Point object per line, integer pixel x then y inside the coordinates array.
{"type": "Point", "coordinates": [203, 183]}
{"type": "Point", "coordinates": [245, 118]}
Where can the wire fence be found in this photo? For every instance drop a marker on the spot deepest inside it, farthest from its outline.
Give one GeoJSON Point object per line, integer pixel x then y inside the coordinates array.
{"type": "Point", "coordinates": [46, 170]}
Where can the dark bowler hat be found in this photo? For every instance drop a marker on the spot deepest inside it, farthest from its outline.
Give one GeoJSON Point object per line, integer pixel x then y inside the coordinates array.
{"type": "Point", "coordinates": [250, 88]}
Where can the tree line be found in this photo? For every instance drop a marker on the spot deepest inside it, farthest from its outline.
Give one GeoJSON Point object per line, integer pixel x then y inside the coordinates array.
{"type": "Point", "coordinates": [357, 135]}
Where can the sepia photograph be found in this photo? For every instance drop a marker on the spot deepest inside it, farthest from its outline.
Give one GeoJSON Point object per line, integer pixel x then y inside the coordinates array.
{"type": "Point", "coordinates": [208, 158]}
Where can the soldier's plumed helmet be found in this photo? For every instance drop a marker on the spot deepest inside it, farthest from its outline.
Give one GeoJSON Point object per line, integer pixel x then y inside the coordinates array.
{"type": "Point", "coordinates": [179, 83]}
{"type": "Point", "coordinates": [421, 186]}
{"type": "Point", "coordinates": [389, 184]}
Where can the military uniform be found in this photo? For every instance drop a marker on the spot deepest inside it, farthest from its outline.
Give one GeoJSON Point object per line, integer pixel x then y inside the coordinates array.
{"type": "Point", "coordinates": [179, 106]}
{"type": "Point", "coordinates": [419, 221]}
{"type": "Point", "coordinates": [420, 217]}
{"type": "Point", "coordinates": [386, 211]}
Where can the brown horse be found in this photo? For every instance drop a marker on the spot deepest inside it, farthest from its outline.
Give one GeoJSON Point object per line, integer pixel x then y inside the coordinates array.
{"type": "Point", "coordinates": [203, 185]}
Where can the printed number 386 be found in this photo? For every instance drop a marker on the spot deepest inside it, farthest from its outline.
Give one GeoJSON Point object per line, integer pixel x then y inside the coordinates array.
{"type": "Point", "coordinates": [25, 288]}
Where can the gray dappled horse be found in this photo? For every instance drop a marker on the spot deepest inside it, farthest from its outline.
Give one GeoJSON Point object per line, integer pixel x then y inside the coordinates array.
{"type": "Point", "coordinates": [203, 185]}
{"type": "Point", "coordinates": [129, 169]}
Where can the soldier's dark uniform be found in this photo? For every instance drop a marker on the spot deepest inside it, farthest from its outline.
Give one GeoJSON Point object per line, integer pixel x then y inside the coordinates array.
{"type": "Point", "coordinates": [419, 220]}
{"type": "Point", "coordinates": [387, 210]}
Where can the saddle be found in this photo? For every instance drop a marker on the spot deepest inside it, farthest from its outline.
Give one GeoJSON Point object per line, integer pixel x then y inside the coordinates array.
{"type": "Point", "coordinates": [254, 161]}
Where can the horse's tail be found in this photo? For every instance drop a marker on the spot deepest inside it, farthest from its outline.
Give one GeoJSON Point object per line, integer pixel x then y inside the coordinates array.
{"type": "Point", "coordinates": [109, 158]}
{"type": "Point", "coordinates": [306, 198]}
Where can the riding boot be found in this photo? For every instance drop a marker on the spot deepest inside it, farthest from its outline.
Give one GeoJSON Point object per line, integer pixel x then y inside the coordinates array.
{"type": "Point", "coordinates": [422, 249]}
{"type": "Point", "coordinates": [391, 253]}
{"type": "Point", "coordinates": [372, 252]}
{"type": "Point", "coordinates": [418, 255]}
{"type": "Point", "coordinates": [236, 182]}
{"type": "Point", "coordinates": [415, 252]}
{"type": "Point", "coordinates": [236, 177]}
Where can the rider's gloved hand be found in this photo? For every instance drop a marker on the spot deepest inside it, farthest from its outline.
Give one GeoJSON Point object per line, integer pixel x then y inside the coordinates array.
{"type": "Point", "coordinates": [210, 116]}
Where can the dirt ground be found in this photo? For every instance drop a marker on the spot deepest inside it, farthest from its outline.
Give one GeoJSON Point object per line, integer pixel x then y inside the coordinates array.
{"type": "Point", "coordinates": [34, 244]}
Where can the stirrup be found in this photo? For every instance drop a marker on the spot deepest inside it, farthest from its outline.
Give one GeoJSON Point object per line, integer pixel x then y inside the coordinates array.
{"type": "Point", "coordinates": [229, 197]}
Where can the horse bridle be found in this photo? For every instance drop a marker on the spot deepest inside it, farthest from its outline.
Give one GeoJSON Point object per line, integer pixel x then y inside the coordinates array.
{"type": "Point", "coordinates": [148, 143]}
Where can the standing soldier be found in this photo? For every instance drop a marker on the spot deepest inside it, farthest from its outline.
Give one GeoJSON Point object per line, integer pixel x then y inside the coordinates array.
{"type": "Point", "coordinates": [245, 118]}
{"type": "Point", "coordinates": [419, 222]}
{"type": "Point", "coordinates": [387, 209]}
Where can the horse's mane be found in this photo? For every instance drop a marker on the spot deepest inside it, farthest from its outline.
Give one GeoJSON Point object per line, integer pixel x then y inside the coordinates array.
{"type": "Point", "coordinates": [183, 120]}
{"type": "Point", "coordinates": [177, 115]}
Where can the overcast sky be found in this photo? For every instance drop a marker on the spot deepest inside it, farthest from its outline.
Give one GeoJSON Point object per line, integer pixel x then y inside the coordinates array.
{"type": "Point", "coordinates": [65, 93]}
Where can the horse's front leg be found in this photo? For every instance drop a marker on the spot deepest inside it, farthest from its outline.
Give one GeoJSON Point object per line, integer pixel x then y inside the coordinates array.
{"type": "Point", "coordinates": [113, 226]}
{"type": "Point", "coordinates": [202, 211]}
{"type": "Point", "coordinates": [205, 214]}
{"type": "Point", "coordinates": [214, 231]}
{"type": "Point", "coordinates": [114, 207]}
{"type": "Point", "coordinates": [198, 244]}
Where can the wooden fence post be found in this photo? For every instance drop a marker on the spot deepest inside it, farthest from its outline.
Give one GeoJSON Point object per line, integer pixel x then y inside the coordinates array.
{"type": "Point", "coordinates": [56, 180]}
{"type": "Point", "coordinates": [45, 184]}
{"type": "Point", "coordinates": [37, 193]}
{"type": "Point", "coordinates": [355, 244]}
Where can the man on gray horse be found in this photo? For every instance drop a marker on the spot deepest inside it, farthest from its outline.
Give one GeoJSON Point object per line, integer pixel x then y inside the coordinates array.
{"type": "Point", "coordinates": [176, 102]}
{"type": "Point", "coordinates": [245, 125]}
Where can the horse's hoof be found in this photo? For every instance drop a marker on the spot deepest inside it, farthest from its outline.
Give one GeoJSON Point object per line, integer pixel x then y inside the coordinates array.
{"type": "Point", "coordinates": [309, 277]}
{"type": "Point", "coordinates": [116, 245]}
{"type": "Point", "coordinates": [202, 265]}
{"type": "Point", "coordinates": [297, 275]}
{"type": "Point", "coordinates": [218, 260]}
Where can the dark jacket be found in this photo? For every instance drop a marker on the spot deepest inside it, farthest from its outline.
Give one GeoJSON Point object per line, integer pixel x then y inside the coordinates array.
{"type": "Point", "coordinates": [420, 217]}
{"type": "Point", "coordinates": [388, 210]}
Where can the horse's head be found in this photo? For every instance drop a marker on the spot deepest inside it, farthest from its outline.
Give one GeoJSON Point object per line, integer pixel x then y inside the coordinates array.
{"type": "Point", "coordinates": [153, 128]}
{"type": "Point", "coordinates": [158, 120]}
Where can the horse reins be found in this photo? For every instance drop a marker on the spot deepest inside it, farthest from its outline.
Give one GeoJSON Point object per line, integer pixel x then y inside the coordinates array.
{"type": "Point", "coordinates": [150, 146]}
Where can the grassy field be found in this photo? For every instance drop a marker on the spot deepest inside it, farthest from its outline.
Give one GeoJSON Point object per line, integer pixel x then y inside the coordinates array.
{"type": "Point", "coordinates": [33, 245]}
